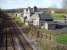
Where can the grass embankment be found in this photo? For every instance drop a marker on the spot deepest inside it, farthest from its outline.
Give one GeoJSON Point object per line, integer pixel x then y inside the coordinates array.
{"type": "Point", "coordinates": [58, 16]}
{"type": "Point", "coordinates": [62, 38]}
{"type": "Point", "coordinates": [20, 21]}
{"type": "Point", "coordinates": [46, 40]}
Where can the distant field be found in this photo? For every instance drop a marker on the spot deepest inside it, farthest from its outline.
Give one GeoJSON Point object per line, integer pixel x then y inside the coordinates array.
{"type": "Point", "coordinates": [58, 16]}
{"type": "Point", "coordinates": [62, 38]}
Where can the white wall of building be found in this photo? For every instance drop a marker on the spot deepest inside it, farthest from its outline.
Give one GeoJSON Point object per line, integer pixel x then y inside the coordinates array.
{"type": "Point", "coordinates": [35, 19]}
{"type": "Point", "coordinates": [26, 14]}
{"type": "Point", "coordinates": [46, 25]}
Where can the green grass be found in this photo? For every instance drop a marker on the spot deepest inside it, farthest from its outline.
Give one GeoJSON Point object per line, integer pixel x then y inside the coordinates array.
{"type": "Point", "coordinates": [62, 39]}
{"type": "Point", "coordinates": [58, 16]}
{"type": "Point", "coordinates": [19, 21]}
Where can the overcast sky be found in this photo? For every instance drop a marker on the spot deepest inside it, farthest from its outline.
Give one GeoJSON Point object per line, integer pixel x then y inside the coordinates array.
{"type": "Point", "coordinates": [10, 4]}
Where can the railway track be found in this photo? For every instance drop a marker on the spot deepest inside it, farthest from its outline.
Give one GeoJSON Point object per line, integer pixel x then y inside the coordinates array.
{"type": "Point", "coordinates": [10, 36]}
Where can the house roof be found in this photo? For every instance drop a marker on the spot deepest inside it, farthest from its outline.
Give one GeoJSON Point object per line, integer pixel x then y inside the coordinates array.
{"type": "Point", "coordinates": [41, 15]}
{"type": "Point", "coordinates": [45, 16]}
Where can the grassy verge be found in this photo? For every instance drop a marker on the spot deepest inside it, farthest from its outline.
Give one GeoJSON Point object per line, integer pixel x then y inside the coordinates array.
{"type": "Point", "coordinates": [62, 38]}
